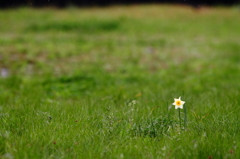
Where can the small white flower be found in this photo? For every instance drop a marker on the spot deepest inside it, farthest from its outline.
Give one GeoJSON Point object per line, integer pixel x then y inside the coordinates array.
{"type": "Point", "coordinates": [178, 103]}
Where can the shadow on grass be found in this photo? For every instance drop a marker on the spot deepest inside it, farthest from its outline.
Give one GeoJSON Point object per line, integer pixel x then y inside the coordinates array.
{"type": "Point", "coordinates": [91, 25]}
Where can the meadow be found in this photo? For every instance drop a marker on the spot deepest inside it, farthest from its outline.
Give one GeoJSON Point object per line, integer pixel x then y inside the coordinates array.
{"type": "Point", "coordinates": [100, 82]}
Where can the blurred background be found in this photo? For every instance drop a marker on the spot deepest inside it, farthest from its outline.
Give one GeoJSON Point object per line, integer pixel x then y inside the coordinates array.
{"type": "Point", "coordinates": [96, 46]}
{"type": "Point", "coordinates": [65, 3]}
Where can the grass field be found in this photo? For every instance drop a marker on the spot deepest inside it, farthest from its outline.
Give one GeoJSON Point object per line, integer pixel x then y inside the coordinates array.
{"type": "Point", "coordinates": [100, 82]}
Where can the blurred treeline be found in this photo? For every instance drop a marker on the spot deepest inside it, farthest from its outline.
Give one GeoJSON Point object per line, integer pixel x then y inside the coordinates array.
{"type": "Point", "coordinates": [83, 3]}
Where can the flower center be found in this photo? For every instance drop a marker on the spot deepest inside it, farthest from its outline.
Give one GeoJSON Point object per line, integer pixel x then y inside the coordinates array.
{"type": "Point", "coordinates": [178, 103]}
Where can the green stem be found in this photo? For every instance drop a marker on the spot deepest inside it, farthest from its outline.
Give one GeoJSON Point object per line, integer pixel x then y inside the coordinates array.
{"type": "Point", "coordinates": [185, 116]}
{"type": "Point", "coordinates": [179, 118]}
{"type": "Point", "coordinates": [185, 112]}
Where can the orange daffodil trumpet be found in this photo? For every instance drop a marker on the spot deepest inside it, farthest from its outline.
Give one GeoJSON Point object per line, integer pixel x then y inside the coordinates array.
{"type": "Point", "coordinates": [178, 103]}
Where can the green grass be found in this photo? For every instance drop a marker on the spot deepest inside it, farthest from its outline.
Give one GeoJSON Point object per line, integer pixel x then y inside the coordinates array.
{"type": "Point", "coordinates": [68, 79]}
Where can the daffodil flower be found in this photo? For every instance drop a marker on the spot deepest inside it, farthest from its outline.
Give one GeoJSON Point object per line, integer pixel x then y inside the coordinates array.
{"type": "Point", "coordinates": [178, 103]}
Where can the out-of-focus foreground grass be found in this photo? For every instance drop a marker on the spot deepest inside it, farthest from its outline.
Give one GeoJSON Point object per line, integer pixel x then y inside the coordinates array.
{"type": "Point", "coordinates": [68, 79]}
